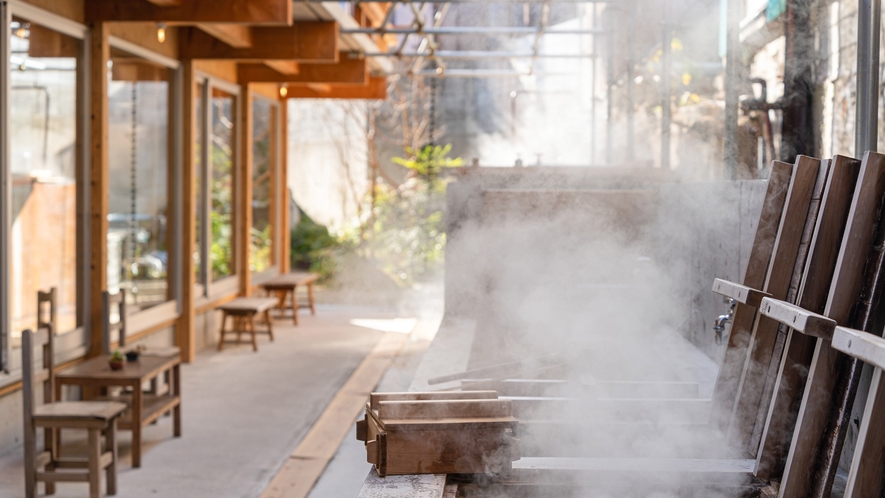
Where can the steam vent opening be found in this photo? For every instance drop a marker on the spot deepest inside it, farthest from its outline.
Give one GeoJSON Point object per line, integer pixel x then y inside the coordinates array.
{"type": "Point", "coordinates": [445, 249]}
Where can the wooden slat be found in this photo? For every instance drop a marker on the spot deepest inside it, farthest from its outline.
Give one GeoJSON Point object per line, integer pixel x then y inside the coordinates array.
{"type": "Point", "coordinates": [375, 90]}
{"type": "Point", "coordinates": [826, 245]}
{"type": "Point", "coordinates": [807, 181]}
{"type": "Point", "coordinates": [185, 332]}
{"type": "Point", "coordinates": [346, 71]}
{"type": "Point", "coordinates": [799, 319]}
{"type": "Point", "coordinates": [864, 346]}
{"type": "Point", "coordinates": [306, 41]}
{"type": "Point", "coordinates": [725, 392]}
{"type": "Point", "coordinates": [165, 3]}
{"type": "Point", "coordinates": [376, 398]}
{"type": "Point", "coordinates": [444, 409]}
{"type": "Point", "coordinates": [738, 292]}
{"type": "Point", "coordinates": [865, 476]}
{"type": "Point", "coordinates": [235, 35]}
{"type": "Point", "coordinates": [193, 11]}
{"type": "Point", "coordinates": [846, 285]}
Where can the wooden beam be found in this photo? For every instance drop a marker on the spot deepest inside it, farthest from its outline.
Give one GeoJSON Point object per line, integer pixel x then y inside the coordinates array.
{"type": "Point", "coordinates": [376, 89]}
{"type": "Point", "coordinates": [347, 71]}
{"type": "Point", "coordinates": [138, 71]}
{"type": "Point", "coordinates": [285, 231]}
{"type": "Point", "coordinates": [798, 319]}
{"type": "Point", "coordinates": [165, 3]}
{"type": "Point", "coordinates": [185, 333]}
{"type": "Point", "coordinates": [235, 35]}
{"type": "Point", "coordinates": [303, 42]}
{"type": "Point", "coordinates": [284, 67]}
{"type": "Point", "coordinates": [245, 181]}
{"type": "Point", "coordinates": [192, 11]}
{"type": "Point", "coordinates": [100, 53]}
{"type": "Point", "coordinates": [44, 42]}
{"type": "Point", "coordinates": [738, 292]}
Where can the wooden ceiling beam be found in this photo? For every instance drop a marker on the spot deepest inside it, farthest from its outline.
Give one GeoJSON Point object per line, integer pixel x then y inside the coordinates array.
{"type": "Point", "coordinates": [235, 35]}
{"type": "Point", "coordinates": [274, 12]}
{"type": "Point", "coordinates": [283, 67]}
{"type": "Point", "coordinates": [376, 89]}
{"type": "Point", "coordinates": [165, 3]}
{"type": "Point", "coordinates": [310, 41]}
{"type": "Point", "coordinates": [346, 72]}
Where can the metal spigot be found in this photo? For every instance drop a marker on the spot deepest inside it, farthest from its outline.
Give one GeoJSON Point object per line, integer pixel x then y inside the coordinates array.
{"type": "Point", "coordinates": [719, 323]}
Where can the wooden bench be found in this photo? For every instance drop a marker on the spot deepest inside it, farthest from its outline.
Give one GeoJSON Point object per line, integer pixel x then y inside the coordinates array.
{"type": "Point", "coordinates": [286, 285]}
{"type": "Point", "coordinates": [243, 311]}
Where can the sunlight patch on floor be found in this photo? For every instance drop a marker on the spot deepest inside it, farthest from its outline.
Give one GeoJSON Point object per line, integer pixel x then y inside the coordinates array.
{"type": "Point", "coordinates": [397, 325]}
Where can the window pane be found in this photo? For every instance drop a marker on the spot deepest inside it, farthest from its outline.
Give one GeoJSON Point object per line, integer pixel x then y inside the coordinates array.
{"type": "Point", "coordinates": [138, 115]}
{"type": "Point", "coordinates": [43, 153]}
{"type": "Point", "coordinates": [263, 160]}
{"type": "Point", "coordinates": [221, 251]}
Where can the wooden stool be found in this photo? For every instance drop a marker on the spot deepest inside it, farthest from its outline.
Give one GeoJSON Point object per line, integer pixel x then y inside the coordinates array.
{"type": "Point", "coordinates": [243, 311]}
{"type": "Point", "coordinates": [288, 284]}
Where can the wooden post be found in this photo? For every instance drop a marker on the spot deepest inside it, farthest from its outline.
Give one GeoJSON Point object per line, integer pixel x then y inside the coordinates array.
{"type": "Point", "coordinates": [245, 229]}
{"type": "Point", "coordinates": [285, 244]}
{"type": "Point", "coordinates": [99, 55]}
{"type": "Point", "coordinates": [184, 328]}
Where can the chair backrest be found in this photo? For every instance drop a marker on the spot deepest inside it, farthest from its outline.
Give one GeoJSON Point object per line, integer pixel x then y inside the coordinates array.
{"type": "Point", "coordinates": [109, 303]}
{"type": "Point", "coordinates": [31, 377]}
{"type": "Point", "coordinates": [46, 320]}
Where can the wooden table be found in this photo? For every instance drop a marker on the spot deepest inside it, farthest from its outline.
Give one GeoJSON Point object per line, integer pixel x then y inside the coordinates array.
{"type": "Point", "coordinates": [144, 408]}
{"type": "Point", "coordinates": [287, 284]}
{"type": "Point", "coordinates": [243, 311]}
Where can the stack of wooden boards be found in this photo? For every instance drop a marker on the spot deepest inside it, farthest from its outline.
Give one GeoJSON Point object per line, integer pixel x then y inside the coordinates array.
{"type": "Point", "coordinates": [780, 409]}
{"type": "Point", "coordinates": [439, 433]}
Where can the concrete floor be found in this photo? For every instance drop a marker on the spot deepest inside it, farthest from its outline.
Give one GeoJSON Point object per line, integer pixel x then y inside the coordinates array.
{"type": "Point", "coordinates": [244, 412]}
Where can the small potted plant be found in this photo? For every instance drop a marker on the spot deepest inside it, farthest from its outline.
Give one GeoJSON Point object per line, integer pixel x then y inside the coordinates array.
{"type": "Point", "coordinates": [117, 360]}
{"type": "Point", "coordinates": [133, 354]}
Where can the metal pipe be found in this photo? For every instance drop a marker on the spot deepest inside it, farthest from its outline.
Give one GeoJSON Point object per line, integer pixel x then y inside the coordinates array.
{"type": "Point", "coordinates": [868, 27]}
{"type": "Point", "coordinates": [471, 30]}
{"type": "Point", "coordinates": [732, 53]}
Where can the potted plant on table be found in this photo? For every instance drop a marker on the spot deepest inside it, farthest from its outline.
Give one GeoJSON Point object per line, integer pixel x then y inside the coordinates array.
{"type": "Point", "coordinates": [116, 361]}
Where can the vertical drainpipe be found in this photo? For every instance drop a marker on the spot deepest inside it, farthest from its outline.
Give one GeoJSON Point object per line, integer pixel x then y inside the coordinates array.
{"type": "Point", "coordinates": [5, 188]}
{"type": "Point", "coordinates": [868, 26]}
{"type": "Point", "coordinates": [665, 90]}
{"type": "Point", "coordinates": [732, 64]}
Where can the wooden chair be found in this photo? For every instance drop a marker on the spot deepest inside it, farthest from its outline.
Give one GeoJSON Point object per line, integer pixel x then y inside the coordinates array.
{"type": "Point", "coordinates": [243, 311]}
{"type": "Point", "coordinates": [110, 302]}
{"type": "Point", "coordinates": [97, 418]}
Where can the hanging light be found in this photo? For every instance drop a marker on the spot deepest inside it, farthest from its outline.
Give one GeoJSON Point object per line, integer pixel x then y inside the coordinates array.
{"type": "Point", "coordinates": [161, 32]}
{"type": "Point", "coordinates": [22, 30]}
{"type": "Point", "coordinates": [284, 90]}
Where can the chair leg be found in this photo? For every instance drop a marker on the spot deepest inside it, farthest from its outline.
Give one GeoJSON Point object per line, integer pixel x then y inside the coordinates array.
{"type": "Point", "coordinates": [295, 305]}
{"type": "Point", "coordinates": [269, 325]}
{"type": "Point", "coordinates": [94, 448]}
{"type": "Point", "coordinates": [313, 310]}
{"type": "Point", "coordinates": [30, 462]}
{"type": "Point", "coordinates": [49, 436]}
{"type": "Point", "coordinates": [238, 325]}
{"type": "Point", "coordinates": [250, 322]}
{"type": "Point", "coordinates": [111, 442]}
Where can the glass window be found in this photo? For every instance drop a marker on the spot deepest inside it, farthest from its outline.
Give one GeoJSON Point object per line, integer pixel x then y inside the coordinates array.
{"type": "Point", "coordinates": [138, 117]}
{"type": "Point", "coordinates": [43, 163]}
{"type": "Point", "coordinates": [221, 157]}
{"type": "Point", "coordinates": [264, 129]}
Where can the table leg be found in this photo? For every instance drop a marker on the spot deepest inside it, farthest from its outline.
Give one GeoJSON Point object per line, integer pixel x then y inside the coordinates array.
{"type": "Point", "coordinates": [111, 447]}
{"type": "Point", "coordinates": [94, 445]}
{"type": "Point", "coordinates": [56, 439]}
{"type": "Point", "coordinates": [295, 305]}
{"type": "Point", "coordinates": [137, 404]}
{"type": "Point", "coordinates": [269, 325]}
{"type": "Point", "coordinates": [221, 335]}
{"type": "Point", "coordinates": [176, 391]}
{"type": "Point", "coordinates": [313, 310]}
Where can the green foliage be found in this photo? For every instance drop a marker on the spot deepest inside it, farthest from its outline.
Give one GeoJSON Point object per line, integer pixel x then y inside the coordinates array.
{"type": "Point", "coordinates": [116, 356]}
{"type": "Point", "coordinates": [221, 250]}
{"type": "Point", "coordinates": [260, 253]}
{"type": "Point", "coordinates": [430, 161]}
{"type": "Point", "coordinates": [313, 248]}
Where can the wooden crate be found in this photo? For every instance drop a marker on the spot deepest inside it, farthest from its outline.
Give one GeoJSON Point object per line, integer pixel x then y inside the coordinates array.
{"type": "Point", "coordinates": [439, 433]}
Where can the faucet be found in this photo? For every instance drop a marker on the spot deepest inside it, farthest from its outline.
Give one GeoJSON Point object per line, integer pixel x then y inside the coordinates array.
{"type": "Point", "coordinates": [719, 323]}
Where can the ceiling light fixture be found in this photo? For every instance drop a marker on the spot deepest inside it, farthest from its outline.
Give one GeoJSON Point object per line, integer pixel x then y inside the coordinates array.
{"type": "Point", "coordinates": [161, 32]}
